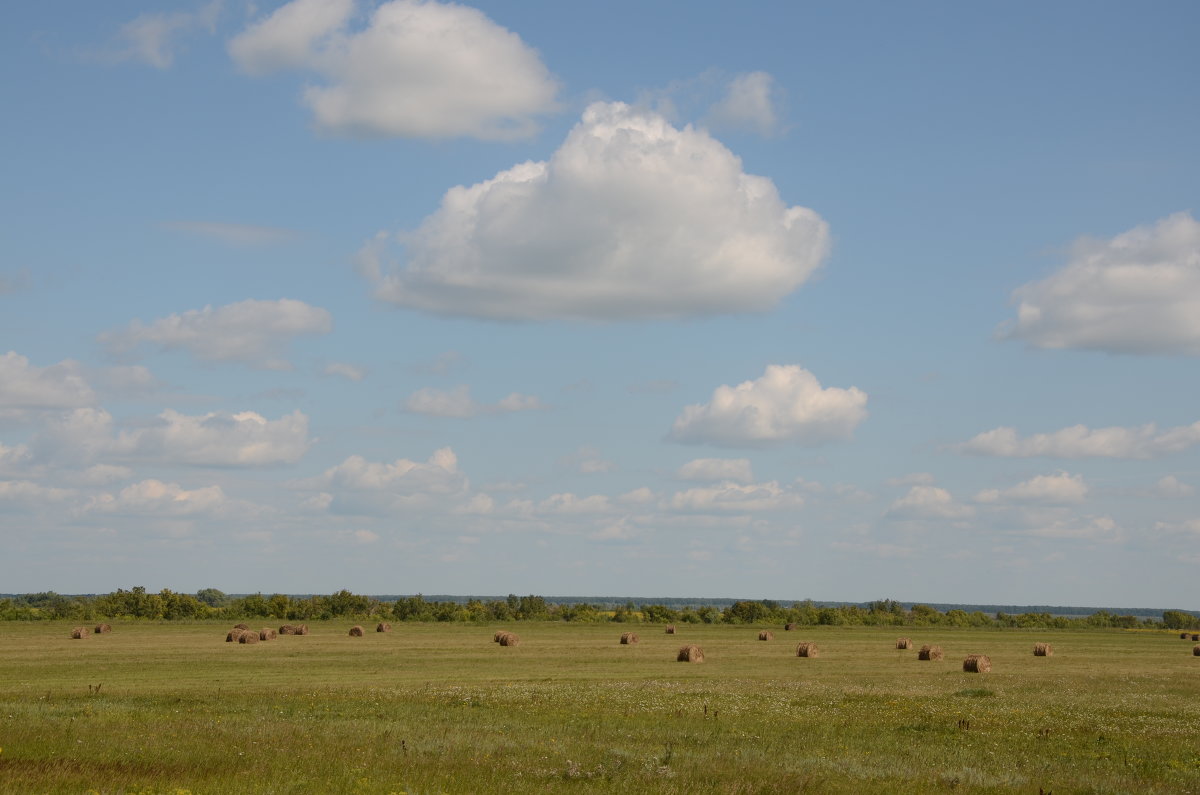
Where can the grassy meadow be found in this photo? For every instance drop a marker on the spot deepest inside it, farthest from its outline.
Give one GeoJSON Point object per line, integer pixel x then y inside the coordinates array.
{"type": "Point", "coordinates": [432, 708]}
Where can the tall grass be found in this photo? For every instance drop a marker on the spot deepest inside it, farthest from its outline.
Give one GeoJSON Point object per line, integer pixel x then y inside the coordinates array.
{"type": "Point", "coordinates": [441, 708]}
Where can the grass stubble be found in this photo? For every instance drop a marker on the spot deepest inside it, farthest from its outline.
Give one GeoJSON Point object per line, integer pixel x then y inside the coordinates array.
{"type": "Point", "coordinates": [172, 709]}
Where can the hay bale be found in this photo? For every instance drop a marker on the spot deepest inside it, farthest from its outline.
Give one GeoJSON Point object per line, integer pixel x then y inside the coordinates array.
{"type": "Point", "coordinates": [670, 629]}
{"type": "Point", "coordinates": [766, 635]}
{"type": "Point", "coordinates": [79, 632]}
{"type": "Point", "coordinates": [234, 635]}
{"type": "Point", "coordinates": [266, 633]}
{"type": "Point", "coordinates": [788, 627]}
{"type": "Point", "coordinates": [807, 649]}
{"type": "Point", "coordinates": [356, 631]}
{"type": "Point", "coordinates": [287, 629]}
{"type": "Point", "coordinates": [977, 664]}
{"type": "Point", "coordinates": [248, 637]}
{"type": "Point", "coordinates": [1183, 636]}
{"type": "Point", "coordinates": [1043, 650]}
{"type": "Point", "coordinates": [928, 652]}
{"type": "Point", "coordinates": [904, 643]}
{"type": "Point", "coordinates": [510, 639]}
{"type": "Point", "coordinates": [690, 653]}
{"type": "Point", "coordinates": [1195, 637]}
{"type": "Point", "coordinates": [629, 638]}
{"type": "Point", "coordinates": [301, 630]}
{"type": "Point", "coordinates": [383, 626]}
{"type": "Point", "coordinates": [1196, 651]}
{"type": "Point", "coordinates": [102, 628]}
{"type": "Point", "coordinates": [500, 633]}
{"type": "Point", "coordinates": [241, 626]}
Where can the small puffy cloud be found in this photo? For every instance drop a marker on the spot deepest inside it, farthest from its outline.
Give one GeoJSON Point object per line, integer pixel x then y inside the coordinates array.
{"type": "Point", "coordinates": [748, 104]}
{"type": "Point", "coordinates": [103, 475]}
{"type": "Point", "coordinates": [155, 498]}
{"type": "Point", "coordinates": [416, 70]}
{"type": "Point", "coordinates": [351, 372]}
{"type": "Point", "coordinates": [360, 486]}
{"type": "Point", "coordinates": [1060, 488]}
{"type": "Point", "coordinates": [1136, 293]}
{"type": "Point", "coordinates": [736, 497]}
{"type": "Point", "coordinates": [1171, 487]}
{"type": "Point", "coordinates": [1093, 528]}
{"type": "Point", "coordinates": [457, 402]}
{"type": "Point", "coordinates": [58, 386]}
{"type": "Point", "coordinates": [708, 470]}
{"type": "Point", "coordinates": [587, 461]}
{"type": "Point", "coordinates": [1079, 441]}
{"type": "Point", "coordinates": [567, 503]}
{"type": "Point", "coordinates": [252, 332]}
{"type": "Point", "coordinates": [631, 218]}
{"type": "Point", "coordinates": [27, 494]}
{"type": "Point", "coordinates": [929, 502]}
{"type": "Point", "coordinates": [787, 405]}
{"type": "Point", "coordinates": [214, 439]}
{"type": "Point", "coordinates": [235, 234]}
{"type": "Point", "coordinates": [153, 38]}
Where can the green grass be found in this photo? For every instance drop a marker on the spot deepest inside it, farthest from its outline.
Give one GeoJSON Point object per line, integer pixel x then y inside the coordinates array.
{"type": "Point", "coordinates": [440, 708]}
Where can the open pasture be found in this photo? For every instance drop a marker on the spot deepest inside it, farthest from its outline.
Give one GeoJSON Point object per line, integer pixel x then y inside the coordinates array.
{"type": "Point", "coordinates": [429, 708]}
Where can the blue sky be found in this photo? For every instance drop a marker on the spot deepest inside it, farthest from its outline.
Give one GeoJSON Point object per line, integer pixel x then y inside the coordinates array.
{"type": "Point", "coordinates": [831, 301]}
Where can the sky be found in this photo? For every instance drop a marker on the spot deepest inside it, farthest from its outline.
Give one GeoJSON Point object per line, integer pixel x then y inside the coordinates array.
{"type": "Point", "coordinates": [840, 301]}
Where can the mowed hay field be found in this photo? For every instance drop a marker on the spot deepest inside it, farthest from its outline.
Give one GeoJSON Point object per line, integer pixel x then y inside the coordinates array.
{"type": "Point", "coordinates": [172, 708]}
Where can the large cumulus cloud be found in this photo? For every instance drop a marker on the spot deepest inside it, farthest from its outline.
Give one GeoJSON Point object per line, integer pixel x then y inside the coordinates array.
{"type": "Point", "coordinates": [630, 218]}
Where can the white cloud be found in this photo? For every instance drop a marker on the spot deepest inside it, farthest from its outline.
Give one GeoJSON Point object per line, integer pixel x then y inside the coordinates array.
{"type": "Point", "coordinates": [912, 479]}
{"type": "Point", "coordinates": [587, 461]}
{"type": "Point", "coordinates": [457, 402]}
{"type": "Point", "coordinates": [235, 234]}
{"type": "Point", "coordinates": [567, 503]}
{"type": "Point", "coordinates": [26, 493]}
{"type": "Point", "coordinates": [360, 486]}
{"type": "Point", "coordinates": [14, 459]}
{"type": "Point", "coordinates": [1093, 528]}
{"type": "Point", "coordinates": [350, 372]}
{"type": "Point", "coordinates": [252, 332]}
{"type": "Point", "coordinates": [214, 439]}
{"type": "Point", "coordinates": [748, 104]}
{"type": "Point", "coordinates": [707, 470]}
{"type": "Point", "coordinates": [152, 38]}
{"type": "Point", "coordinates": [1079, 441]}
{"type": "Point", "coordinates": [631, 218]}
{"type": "Point", "coordinates": [731, 496]}
{"type": "Point", "coordinates": [929, 502]}
{"type": "Point", "coordinates": [785, 405]}
{"type": "Point", "coordinates": [58, 386]}
{"type": "Point", "coordinates": [1060, 488]}
{"type": "Point", "coordinates": [156, 498]}
{"type": "Point", "coordinates": [1136, 293]}
{"type": "Point", "coordinates": [418, 69]}
{"type": "Point", "coordinates": [1171, 487]}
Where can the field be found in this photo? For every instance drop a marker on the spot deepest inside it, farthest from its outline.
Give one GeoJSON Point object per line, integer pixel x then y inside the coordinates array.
{"type": "Point", "coordinates": [172, 708]}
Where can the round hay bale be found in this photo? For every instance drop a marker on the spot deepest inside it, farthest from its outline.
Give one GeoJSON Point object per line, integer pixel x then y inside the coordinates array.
{"type": "Point", "coordinates": [248, 637]}
{"type": "Point", "coordinates": [904, 643]}
{"type": "Point", "coordinates": [690, 653]}
{"type": "Point", "coordinates": [1043, 650]}
{"type": "Point", "coordinates": [1195, 637]}
{"type": "Point", "coordinates": [1196, 651]}
{"type": "Point", "coordinates": [500, 633]}
{"type": "Point", "coordinates": [807, 649]}
{"type": "Point", "coordinates": [234, 635]}
{"type": "Point", "coordinates": [301, 630]}
{"type": "Point", "coordinates": [241, 626]}
{"type": "Point", "coordinates": [766, 635]}
{"type": "Point", "coordinates": [629, 638]}
{"type": "Point", "coordinates": [79, 633]}
{"type": "Point", "coordinates": [1183, 636]}
{"type": "Point", "coordinates": [670, 629]}
{"type": "Point", "coordinates": [788, 627]}
{"type": "Point", "coordinates": [287, 629]}
{"type": "Point", "coordinates": [266, 634]}
{"type": "Point", "coordinates": [102, 628]}
{"type": "Point", "coordinates": [928, 652]}
{"type": "Point", "coordinates": [356, 631]}
{"type": "Point", "coordinates": [383, 626]}
{"type": "Point", "coordinates": [977, 664]}
{"type": "Point", "coordinates": [510, 639]}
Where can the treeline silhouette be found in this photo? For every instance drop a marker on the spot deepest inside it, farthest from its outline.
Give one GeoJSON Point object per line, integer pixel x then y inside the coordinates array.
{"type": "Point", "coordinates": [210, 603]}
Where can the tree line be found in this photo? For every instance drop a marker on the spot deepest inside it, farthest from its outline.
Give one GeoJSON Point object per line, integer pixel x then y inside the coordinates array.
{"type": "Point", "coordinates": [210, 603]}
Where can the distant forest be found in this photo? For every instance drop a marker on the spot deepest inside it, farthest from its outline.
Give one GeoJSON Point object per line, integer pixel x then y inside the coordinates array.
{"type": "Point", "coordinates": [210, 603]}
